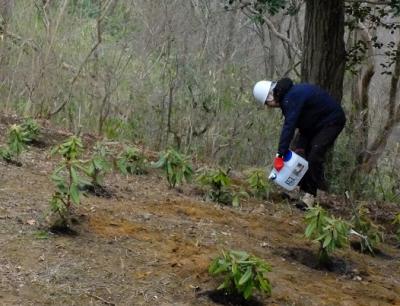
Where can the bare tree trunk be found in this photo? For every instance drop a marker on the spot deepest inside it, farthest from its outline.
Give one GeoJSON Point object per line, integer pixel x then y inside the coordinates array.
{"type": "Point", "coordinates": [361, 94]}
{"type": "Point", "coordinates": [323, 61]}
{"type": "Point", "coordinates": [375, 149]}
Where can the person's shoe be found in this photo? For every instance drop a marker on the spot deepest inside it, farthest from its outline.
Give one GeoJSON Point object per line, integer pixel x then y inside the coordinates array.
{"type": "Point", "coordinates": [305, 202]}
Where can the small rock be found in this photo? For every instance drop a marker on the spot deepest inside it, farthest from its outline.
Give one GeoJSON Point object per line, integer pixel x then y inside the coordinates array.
{"type": "Point", "coordinates": [265, 245]}
{"type": "Point", "coordinates": [31, 222]}
{"type": "Point", "coordinates": [147, 216]}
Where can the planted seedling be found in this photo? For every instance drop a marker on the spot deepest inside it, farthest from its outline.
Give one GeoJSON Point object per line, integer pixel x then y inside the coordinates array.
{"type": "Point", "coordinates": [16, 143]}
{"type": "Point", "coordinates": [219, 186]}
{"type": "Point", "coordinates": [371, 234]}
{"type": "Point", "coordinates": [16, 140]}
{"type": "Point", "coordinates": [18, 137]}
{"type": "Point", "coordinates": [131, 161]}
{"type": "Point", "coordinates": [6, 155]}
{"type": "Point", "coordinates": [98, 165]}
{"type": "Point", "coordinates": [259, 184]}
{"type": "Point", "coordinates": [31, 130]}
{"type": "Point", "coordinates": [243, 273]}
{"type": "Point", "coordinates": [176, 167]}
{"type": "Point", "coordinates": [396, 221]}
{"type": "Point", "coordinates": [67, 178]}
{"type": "Point", "coordinates": [331, 233]}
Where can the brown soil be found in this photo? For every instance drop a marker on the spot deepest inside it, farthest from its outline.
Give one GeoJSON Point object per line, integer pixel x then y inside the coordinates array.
{"type": "Point", "coordinates": [150, 245]}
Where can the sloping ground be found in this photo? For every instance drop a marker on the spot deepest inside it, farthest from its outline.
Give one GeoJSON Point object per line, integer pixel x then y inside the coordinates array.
{"type": "Point", "coordinates": [149, 245]}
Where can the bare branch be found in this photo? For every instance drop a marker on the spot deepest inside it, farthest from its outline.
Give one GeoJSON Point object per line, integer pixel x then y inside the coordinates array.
{"type": "Point", "coordinates": [94, 48]}
{"type": "Point", "coordinates": [272, 28]}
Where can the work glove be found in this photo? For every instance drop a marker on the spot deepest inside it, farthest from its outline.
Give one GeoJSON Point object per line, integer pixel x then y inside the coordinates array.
{"type": "Point", "coordinates": [278, 162]}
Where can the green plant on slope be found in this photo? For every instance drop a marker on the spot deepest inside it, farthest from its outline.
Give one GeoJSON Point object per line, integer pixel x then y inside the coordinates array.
{"type": "Point", "coordinates": [243, 273]}
{"type": "Point", "coordinates": [16, 143]}
{"type": "Point", "coordinates": [6, 154]}
{"type": "Point", "coordinates": [372, 233]}
{"type": "Point", "coordinates": [31, 129]}
{"type": "Point", "coordinates": [259, 184]}
{"type": "Point", "coordinates": [396, 221]}
{"type": "Point", "coordinates": [131, 161]}
{"type": "Point", "coordinates": [331, 233]}
{"type": "Point", "coordinates": [17, 139]}
{"type": "Point", "coordinates": [176, 167]}
{"type": "Point", "coordinates": [220, 187]}
{"type": "Point", "coordinates": [67, 179]}
{"type": "Point", "coordinates": [98, 165]}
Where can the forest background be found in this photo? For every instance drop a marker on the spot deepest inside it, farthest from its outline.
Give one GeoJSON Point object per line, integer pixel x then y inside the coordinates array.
{"type": "Point", "coordinates": [180, 73]}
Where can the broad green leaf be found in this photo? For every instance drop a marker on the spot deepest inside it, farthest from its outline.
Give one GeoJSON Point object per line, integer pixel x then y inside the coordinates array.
{"type": "Point", "coordinates": [74, 176]}
{"type": "Point", "coordinates": [248, 291]}
{"type": "Point", "coordinates": [310, 228]}
{"type": "Point", "coordinates": [264, 283]}
{"type": "Point", "coordinates": [234, 268]}
{"type": "Point", "coordinates": [235, 201]}
{"type": "Point", "coordinates": [246, 276]}
{"type": "Point", "coordinates": [160, 163]}
{"type": "Point", "coordinates": [327, 241]}
{"type": "Point", "coordinates": [213, 266]}
{"type": "Point", "coordinates": [240, 254]}
{"type": "Point", "coordinates": [74, 192]}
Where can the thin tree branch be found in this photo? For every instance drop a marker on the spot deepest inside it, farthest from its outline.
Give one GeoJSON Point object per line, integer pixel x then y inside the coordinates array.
{"type": "Point", "coordinates": [94, 48]}
{"type": "Point", "coordinates": [272, 28]}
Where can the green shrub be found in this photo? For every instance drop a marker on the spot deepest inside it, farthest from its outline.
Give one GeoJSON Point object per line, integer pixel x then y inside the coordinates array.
{"type": "Point", "coordinates": [16, 143]}
{"type": "Point", "coordinates": [98, 165]}
{"type": "Point", "coordinates": [259, 184]}
{"type": "Point", "coordinates": [396, 221]}
{"type": "Point", "coordinates": [219, 186]}
{"type": "Point", "coordinates": [131, 161]}
{"type": "Point", "coordinates": [331, 233]}
{"type": "Point", "coordinates": [176, 167]}
{"type": "Point", "coordinates": [31, 129]}
{"type": "Point", "coordinates": [243, 273]}
{"type": "Point", "coordinates": [6, 154]}
{"type": "Point", "coordinates": [67, 179]}
{"type": "Point", "coordinates": [372, 233]}
{"type": "Point", "coordinates": [16, 140]}
{"type": "Point", "coordinates": [118, 129]}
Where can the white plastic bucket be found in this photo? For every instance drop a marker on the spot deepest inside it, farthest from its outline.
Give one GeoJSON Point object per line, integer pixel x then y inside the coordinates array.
{"type": "Point", "coordinates": [293, 170]}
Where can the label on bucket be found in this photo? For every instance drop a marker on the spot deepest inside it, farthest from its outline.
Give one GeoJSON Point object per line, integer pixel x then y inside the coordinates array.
{"type": "Point", "coordinates": [292, 172]}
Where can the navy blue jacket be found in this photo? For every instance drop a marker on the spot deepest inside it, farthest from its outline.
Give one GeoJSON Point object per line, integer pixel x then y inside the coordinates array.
{"type": "Point", "coordinates": [308, 108]}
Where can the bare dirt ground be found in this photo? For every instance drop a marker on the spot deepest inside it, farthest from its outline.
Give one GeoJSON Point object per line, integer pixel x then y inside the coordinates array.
{"type": "Point", "coordinates": [150, 245]}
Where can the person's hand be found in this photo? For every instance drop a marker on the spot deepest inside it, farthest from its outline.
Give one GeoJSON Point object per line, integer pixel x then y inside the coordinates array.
{"type": "Point", "coordinates": [278, 162]}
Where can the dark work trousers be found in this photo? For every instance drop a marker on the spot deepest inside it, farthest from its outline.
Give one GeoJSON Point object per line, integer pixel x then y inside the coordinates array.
{"type": "Point", "coordinates": [313, 149]}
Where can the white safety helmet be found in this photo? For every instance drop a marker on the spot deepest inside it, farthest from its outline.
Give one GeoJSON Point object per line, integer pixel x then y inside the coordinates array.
{"type": "Point", "coordinates": [262, 89]}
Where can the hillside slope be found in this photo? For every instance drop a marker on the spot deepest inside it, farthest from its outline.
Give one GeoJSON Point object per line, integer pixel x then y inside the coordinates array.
{"type": "Point", "coordinates": [150, 245]}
